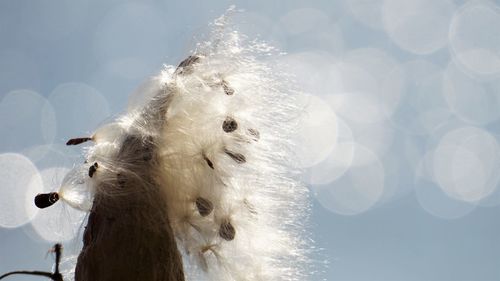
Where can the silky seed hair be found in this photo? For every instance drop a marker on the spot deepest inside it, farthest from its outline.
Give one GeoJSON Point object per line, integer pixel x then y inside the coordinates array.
{"type": "Point", "coordinates": [213, 151]}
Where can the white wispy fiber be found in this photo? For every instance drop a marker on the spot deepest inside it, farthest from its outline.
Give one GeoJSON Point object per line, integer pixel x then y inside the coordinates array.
{"type": "Point", "coordinates": [209, 152]}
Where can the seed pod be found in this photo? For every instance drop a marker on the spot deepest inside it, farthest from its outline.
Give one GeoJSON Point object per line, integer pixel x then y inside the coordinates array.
{"type": "Point", "coordinates": [154, 194]}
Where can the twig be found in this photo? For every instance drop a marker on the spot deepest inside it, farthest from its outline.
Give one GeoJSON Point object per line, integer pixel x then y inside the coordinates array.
{"type": "Point", "coordinates": [55, 276]}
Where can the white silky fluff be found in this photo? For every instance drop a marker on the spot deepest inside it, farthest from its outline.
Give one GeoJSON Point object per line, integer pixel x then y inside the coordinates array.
{"type": "Point", "coordinates": [247, 174]}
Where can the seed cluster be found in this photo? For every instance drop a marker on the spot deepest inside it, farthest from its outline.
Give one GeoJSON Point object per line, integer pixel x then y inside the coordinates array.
{"type": "Point", "coordinates": [193, 160]}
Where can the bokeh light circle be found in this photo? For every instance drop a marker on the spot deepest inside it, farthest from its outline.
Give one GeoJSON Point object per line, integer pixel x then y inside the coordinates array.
{"type": "Point", "coordinates": [303, 20]}
{"type": "Point", "coordinates": [418, 26]}
{"type": "Point", "coordinates": [317, 131]}
{"type": "Point", "coordinates": [386, 72]}
{"type": "Point", "coordinates": [339, 160]}
{"type": "Point", "coordinates": [474, 37]}
{"type": "Point", "coordinates": [19, 183]}
{"type": "Point", "coordinates": [366, 118]}
{"type": "Point", "coordinates": [358, 189]}
{"type": "Point", "coordinates": [368, 13]}
{"type": "Point", "coordinates": [431, 196]}
{"type": "Point", "coordinates": [315, 72]}
{"type": "Point", "coordinates": [79, 109]}
{"type": "Point", "coordinates": [357, 107]}
{"type": "Point", "coordinates": [466, 164]}
{"type": "Point", "coordinates": [423, 107]}
{"type": "Point", "coordinates": [26, 119]}
{"type": "Point", "coordinates": [472, 100]}
{"type": "Point", "coordinates": [53, 155]}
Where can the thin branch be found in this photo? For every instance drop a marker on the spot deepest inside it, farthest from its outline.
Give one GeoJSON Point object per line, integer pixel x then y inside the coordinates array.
{"type": "Point", "coordinates": [56, 276]}
{"type": "Point", "coordinates": [39, 273]}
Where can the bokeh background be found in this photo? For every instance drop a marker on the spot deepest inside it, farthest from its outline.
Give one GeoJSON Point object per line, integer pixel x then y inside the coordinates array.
{"type": "Point", "coordinates": [399, 140]}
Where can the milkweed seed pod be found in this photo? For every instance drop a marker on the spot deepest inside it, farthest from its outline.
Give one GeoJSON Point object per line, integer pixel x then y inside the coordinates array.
{"type": "Point", "coordinates": [199, 178]}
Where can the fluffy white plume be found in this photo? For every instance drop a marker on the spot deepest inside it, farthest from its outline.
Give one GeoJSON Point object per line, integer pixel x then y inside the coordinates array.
{"type": "Point", "coordinates": [208, 148]}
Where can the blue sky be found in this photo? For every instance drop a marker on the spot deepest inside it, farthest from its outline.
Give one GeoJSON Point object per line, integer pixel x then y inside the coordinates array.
{"type": "Point", "coordinates": [399, 144]}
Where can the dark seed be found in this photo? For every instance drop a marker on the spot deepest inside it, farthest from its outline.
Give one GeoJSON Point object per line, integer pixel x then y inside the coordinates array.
{"type": "Point", "coordinates": [138, 148]}
{"type": "Point", "coordinates": [185, 67]}
{"type": "Point", "coordinates": [204, 206]}
{"type": "Point", "coordinates": [229, 125]}
{"type": "Point", "coordinates": [121, 179]}
{"type": "Point", "coordinates": [189, 61]}
{"type": "Point", "coordinates": [76, 141]}
{"type": "Point", "coordinates": [254, 133]}
{"type": "Point", "coordinates": [227, 231]}
{"type": "Point", "coordinates": [147, 147]}
{"type": "Point", "coordinates": [147, 154]}
{"type": "Point", "coordinates": [209, 163]}
{"type": "Point", "coordinates": [237, 157]}
{"type": "Point", "coordinates": [93, 169]}
{"type": "Point", "coordinates": [250, 206]}
{"type": "Point", "coordinates": [228, 90]}
{"type": "Point", "coordinates": [44, 200]}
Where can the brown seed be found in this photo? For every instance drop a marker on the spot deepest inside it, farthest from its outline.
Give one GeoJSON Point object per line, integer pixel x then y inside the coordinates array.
{"type": "Point", "coordinates": [44, 200]}
{"type": "Point", "coordinates": [186, 66]}
{"type": "Point", "coordinates": [76, 141]}
{"type": "Point", "coordinates": [204, 206]}
{"type": "Point", "coordinates": [121, 179]}
{"type": "Point", "coordinates": [254, 133]}
{"type": "Point", "coordinates": [227, 89]}
{"type": "Point", "coordinates": [209, 163]}
{"type": "Point", "coordinates": [93, 169]}
{"type": "Point", "coordinates": [237, 157]}
{"type": "Point", "coordinates": [189, 61]}
{"type": "Point", "coordinates": [229, 125]}
{"type": "Point", "coordinates": [227, 231]}
{"type": "Point", "coordinates": [250, 206]}
{"type": "Point", "coordinates": [147, 153]}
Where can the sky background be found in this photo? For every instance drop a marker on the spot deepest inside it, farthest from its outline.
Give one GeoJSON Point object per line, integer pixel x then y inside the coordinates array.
{"type": "Point", "coordinates": [400, 140]}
